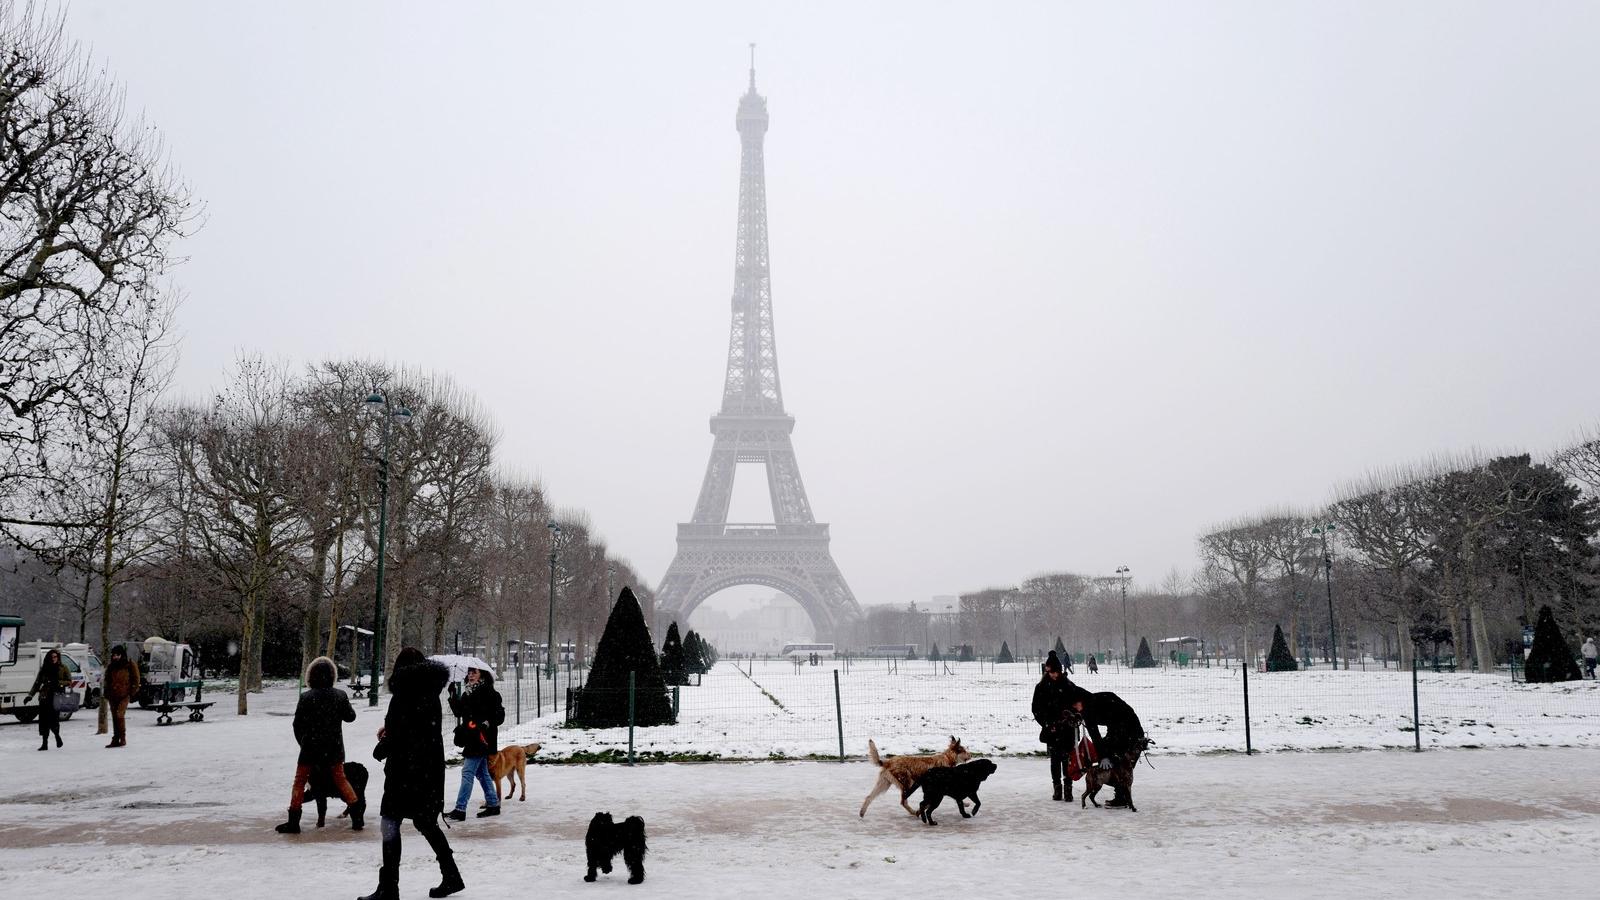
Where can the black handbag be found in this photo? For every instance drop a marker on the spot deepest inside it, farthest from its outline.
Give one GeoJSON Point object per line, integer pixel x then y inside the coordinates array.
{"type": "Point", "coordinates": [66, 701]}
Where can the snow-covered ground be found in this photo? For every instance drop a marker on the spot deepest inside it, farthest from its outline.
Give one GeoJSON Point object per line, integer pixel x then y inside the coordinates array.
{"type": "Point", "coordinates": [776, 710]}
{"type": "Point", "coordinates": [190, 808]}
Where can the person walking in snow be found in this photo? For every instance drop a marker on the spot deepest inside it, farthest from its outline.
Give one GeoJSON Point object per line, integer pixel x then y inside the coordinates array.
{"type": "Point", "coordinates": [1589, 655]}
{"type": "Point", "coordinates": [481, 713]}
{"type": "Point", "coordinates": [411, 746]}
{"type": "Point", "coordinates": [319, 730]}
{"type": "Point", "coordinates": [1052, 697]}
{"type": "Point", "coordinates": [121, 686]}
{"type": "Point", "coordinates": [53, 679]}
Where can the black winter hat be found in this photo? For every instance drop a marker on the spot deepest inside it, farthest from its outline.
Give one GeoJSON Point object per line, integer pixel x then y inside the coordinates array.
{"type": "Point", "coordinates": [1052, 663]}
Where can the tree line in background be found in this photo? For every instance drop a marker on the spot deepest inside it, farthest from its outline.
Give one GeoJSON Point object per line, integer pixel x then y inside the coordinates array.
{"type": "Point", "coordinates": [1454, 557]}
{"type": "Point", "coordinates": [246, 523]}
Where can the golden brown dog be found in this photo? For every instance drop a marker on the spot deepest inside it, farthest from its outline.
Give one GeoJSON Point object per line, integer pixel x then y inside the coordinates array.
{"type": "Point", "coordinates": [512, 763]}
{"type": "Point", "coordinates": [905, 771]}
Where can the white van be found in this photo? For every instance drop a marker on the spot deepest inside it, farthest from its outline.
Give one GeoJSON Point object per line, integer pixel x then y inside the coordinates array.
{"type": "Point", "coordinates": [16, 679]}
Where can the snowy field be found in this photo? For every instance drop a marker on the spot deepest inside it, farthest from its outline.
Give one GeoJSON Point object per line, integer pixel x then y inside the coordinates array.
{"type": "Point", "coordinates": [777, 711]}
{"type": "Point", "coordinates": [188, 810]}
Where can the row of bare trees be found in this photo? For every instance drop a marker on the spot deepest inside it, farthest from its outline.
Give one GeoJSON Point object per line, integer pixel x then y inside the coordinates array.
{"type": "Point", "coordinates": [251, 518]}
{"type": "Point", "coordinates": [1458, 552]}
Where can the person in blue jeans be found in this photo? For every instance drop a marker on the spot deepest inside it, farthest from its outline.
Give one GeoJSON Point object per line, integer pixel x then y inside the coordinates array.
{"type": "Point", "coordinates": [481, 714]}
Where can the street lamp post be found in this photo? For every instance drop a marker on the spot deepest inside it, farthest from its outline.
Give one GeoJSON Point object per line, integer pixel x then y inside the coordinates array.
{"type": "Point", "coordinates": [1322, 531]}
{"type": "Point", "coordinates": [550, 638]}
{"type": "Point", "coordinates": [378, 402]}
{"type": "Point", "coordinates": [1122, 572]}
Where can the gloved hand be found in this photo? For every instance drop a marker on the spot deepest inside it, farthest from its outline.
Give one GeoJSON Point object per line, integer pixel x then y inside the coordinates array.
{"type": "Point", "coordinates": [1105, 765]}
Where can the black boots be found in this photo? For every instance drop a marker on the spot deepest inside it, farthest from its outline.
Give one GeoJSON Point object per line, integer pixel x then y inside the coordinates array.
{"type": "Point", "coordinates": [1057, 794]}
{"type": "Point", "coordinates": [450, 877]}
{"type": "Point", "coordinates": [489, 811]}
{"type": "Point", "coordinates": [293, 825]}
{"type": "Point", "coordinates": [44, 743]}
{"type": "Point", "coordinates": [456, 815]}
{"type": "Point", "coordinates": [388, 885]}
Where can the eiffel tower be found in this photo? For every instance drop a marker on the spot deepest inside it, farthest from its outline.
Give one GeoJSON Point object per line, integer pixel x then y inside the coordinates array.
{"type": "Point", "coordinates": [790, 554]}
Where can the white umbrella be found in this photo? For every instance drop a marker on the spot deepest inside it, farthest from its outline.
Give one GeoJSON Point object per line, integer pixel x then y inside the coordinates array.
{"type": "Point", "coordinates": [460, 664]}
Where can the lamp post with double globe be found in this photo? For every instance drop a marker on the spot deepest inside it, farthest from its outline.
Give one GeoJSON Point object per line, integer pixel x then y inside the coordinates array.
{"type": "Point", "coordinates": [378, 402]}
{"type": "Point", "coordinates": [1122, 573]}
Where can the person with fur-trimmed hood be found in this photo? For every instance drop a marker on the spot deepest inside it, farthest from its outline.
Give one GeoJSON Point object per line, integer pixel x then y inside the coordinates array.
{"type": "Point", "coordinates": [411, 746]}
{"type": "Point", "coordinates": [319, 730]}
{"type": "Point", "coordinates": [1052, 696]}
{"type": "Point", "coordinates": [481, 713]}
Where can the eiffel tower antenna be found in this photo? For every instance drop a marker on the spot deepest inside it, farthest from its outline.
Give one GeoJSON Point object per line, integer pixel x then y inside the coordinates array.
{"type": "Point", "coordinates": [789, 554]}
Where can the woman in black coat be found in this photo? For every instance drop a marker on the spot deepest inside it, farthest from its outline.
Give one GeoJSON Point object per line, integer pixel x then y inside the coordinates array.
{"type": "Point", "coordinates": [1051, 697]}
{"type": "Point", "coordinates": [412, 749]}
{"type": "Point", "coordinates": [481, 713]}
{"type": "Point", "coordinates": [53, 679]}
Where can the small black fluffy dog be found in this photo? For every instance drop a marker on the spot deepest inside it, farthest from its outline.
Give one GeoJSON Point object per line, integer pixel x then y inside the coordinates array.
{"type": "Point", "coordinates": [606, 839]}
{"type": "Point", "coordinates": [320, 788]}
{"type": "Point", "coordinates": [960, 782]}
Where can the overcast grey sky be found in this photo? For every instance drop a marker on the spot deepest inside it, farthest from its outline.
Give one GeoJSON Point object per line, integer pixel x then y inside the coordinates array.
{"type": "Point", "coordinates": [1056, 285]}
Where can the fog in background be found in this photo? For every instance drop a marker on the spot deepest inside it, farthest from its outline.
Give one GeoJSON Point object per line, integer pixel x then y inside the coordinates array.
{"type": "Point", "coordinates": [1056, 286]}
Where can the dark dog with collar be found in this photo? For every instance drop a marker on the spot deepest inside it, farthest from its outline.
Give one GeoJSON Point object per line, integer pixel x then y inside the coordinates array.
{"type": "Point", "coordinates": [607, 838]}
{"type": "Point", "coordinates": [320, 788]}
{"type": "Point", "coordinates": [1120, 775]}
{"type": "Point", "coordinates": [960, 782]}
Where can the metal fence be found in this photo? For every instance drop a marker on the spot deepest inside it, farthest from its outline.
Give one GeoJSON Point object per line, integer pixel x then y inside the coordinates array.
{"type": "Point", "coordinates": [776, 710]}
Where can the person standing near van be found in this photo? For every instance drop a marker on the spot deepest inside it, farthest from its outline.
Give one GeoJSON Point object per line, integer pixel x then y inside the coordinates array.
{"type": "Point", "coordinates": [121, 686]}
{"type": "Point", "coordinates": [53, 679]}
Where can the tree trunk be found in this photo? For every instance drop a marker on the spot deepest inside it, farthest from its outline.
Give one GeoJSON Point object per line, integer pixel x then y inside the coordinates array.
{"type": "Point", "coordinates": [247, 642]}
{"type": "Point", "coordinates": [336, 605]}
{"type": "Point", "coordinates": [1480, 638]}
{"type": "Point", "coordinates": [438, 626]}
{"type": "Point", "coordinates": [316, 588]}
{"type": "Point", "coordinates": [1403, 638]}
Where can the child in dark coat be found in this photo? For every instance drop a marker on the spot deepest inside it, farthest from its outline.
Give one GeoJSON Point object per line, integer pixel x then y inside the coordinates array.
{"type": "Point", "coordinates": [319, 729]}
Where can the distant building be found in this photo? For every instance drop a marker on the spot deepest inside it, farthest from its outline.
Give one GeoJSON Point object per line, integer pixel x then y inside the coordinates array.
{"type": "Point", "coordinates": [765, 629]}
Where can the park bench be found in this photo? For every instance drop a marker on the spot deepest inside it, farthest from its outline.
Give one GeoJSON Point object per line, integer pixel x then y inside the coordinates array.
{"type": "Point", "coordinates": [167, 704]}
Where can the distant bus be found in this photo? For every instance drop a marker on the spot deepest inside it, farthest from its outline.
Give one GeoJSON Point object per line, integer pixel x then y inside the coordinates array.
{"type": "Point", "coordinates": [793, 651]}
{"type": "Point", "coordinates": [892, 651]}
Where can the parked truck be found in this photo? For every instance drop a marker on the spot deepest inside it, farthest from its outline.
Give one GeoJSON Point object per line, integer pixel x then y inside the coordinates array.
{"type": "Point", "coordinates": [19, 666]}
{"type": "Point", "coordinates": [163, 663]}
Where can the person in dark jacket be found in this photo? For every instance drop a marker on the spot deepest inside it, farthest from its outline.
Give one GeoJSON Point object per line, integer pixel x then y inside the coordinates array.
{"type": "Point", "coordinates": [411, 746]}
{"type": "Point", "coordinates": [1118, 736]}
{"type": "Point", "coordinates": [121, 685]}
{"type": "Point", "coordinates": [481, 713]}
{"type": "Point", "coordinates": [53, 679]}
{"type": "Point", "coordinates": [1051, 698]}
{"type": "Point", "coordinates": [319, 730]}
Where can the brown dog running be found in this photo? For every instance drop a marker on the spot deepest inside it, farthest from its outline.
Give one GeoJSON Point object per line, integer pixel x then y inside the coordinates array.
{"type": "Point", "coordinates": [512, 763]}
{"type": "Point", "coordinates": [905, 771]}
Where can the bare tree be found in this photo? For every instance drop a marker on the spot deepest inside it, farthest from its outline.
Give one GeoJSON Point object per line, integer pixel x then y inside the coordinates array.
{"type": "Point", "coordinates": [1286, 539]}
{"type": "Point", "coordinates": [1236, 555]}
{"type": "Point", "coordinates": [87, 215]}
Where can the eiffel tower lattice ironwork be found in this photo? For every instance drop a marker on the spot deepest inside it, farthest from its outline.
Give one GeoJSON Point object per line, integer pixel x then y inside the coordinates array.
{"type": "Point", "coordinates": [790, 554]}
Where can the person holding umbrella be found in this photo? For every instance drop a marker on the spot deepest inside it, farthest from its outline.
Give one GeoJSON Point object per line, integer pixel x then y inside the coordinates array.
{"type": "Point", "coordinates": [481, 713]}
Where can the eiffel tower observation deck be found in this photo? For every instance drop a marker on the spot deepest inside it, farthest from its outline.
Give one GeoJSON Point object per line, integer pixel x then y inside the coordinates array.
{"type": "Point", "coordinates": [789, 554]}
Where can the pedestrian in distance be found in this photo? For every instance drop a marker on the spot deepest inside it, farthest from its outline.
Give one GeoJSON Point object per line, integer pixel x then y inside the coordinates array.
{"type": "Point", "coordinates": [319, 730]}
{"type": "Point", "coordinates": [411, 746]}
{"type": "Point", "coordinates": [1052, 697]}
{"type": "Point", "coordinates": [481, 713]}
{"type": "Point", "coordinates": [1094, 667]}
{"type": "Point", "coordinates": [1589, 656]}
{"type": "Point", "coordinates": [121, 686]}
{"type": "Point", "coordinates": [52, 681]}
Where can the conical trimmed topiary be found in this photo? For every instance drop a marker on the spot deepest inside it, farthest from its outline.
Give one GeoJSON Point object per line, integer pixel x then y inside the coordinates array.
{"type": "Point", "coordinates": [1550, 659]}
{"type": "Point", "coordinates": [933, 655]}
{"type": "Point", "coordinates": [694, 654]}
{"type": "Point", "coordinates": [965, 654]}
{"type": "Point", "coordinates": [1143, 659]}
{"type": "Point", "coordinates": [1005, 654]}
{"type": "Point", "coordinates": [1279, 659]}
{"type": "Point", "coordinates": [673, 668]}
{"type": "Point", "coordinates": [625, 646]}
{"type": "Point", "coordinates": [1060, 648]}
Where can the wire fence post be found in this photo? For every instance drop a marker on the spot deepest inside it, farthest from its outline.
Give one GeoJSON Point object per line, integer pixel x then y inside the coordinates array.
{"type": "Point", "coordinates": [538, 699]}
{"type": "Point", "coordinates": [838, 713]}
{"type": "Point", "coordinates": [1247, 748]}
{"type": "Point", "coordinates": [630, 717]}
{"type": "Point", "coordinates": [1416, 714]}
